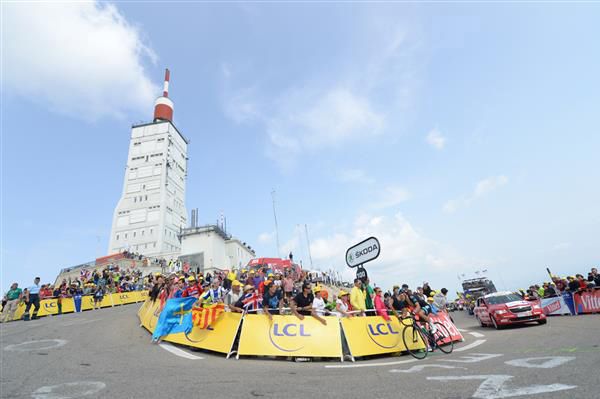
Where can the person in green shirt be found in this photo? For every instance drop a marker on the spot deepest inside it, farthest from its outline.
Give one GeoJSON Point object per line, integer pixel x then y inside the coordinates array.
{"type": "Point", "coordinates": [13, 298]}
{"type": "Point", "coordinates": [369, 295]}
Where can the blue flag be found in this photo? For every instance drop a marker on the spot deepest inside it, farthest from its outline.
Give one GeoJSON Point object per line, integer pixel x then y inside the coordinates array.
{"type": "Point", "coordinates": [175, 317]}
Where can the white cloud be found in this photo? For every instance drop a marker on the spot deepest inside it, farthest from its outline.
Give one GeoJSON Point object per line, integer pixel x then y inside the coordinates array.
{"type": "Point", "coordinates": [436, 139]}
{"type": "Point", "coordinates": [355, 176]}
{"type": "Point", "coordinates": [406, 254]}
{"type": "Point", "coordinates": [391, 196]}
{"type": "Point", "coordinates": [83, 59]}
{"type": "Point", "coordinates": [266, 238]}
{"type": "Point", "coordinates": [365, 98]}
{"type": "Point", "coordinates": [482, 188]}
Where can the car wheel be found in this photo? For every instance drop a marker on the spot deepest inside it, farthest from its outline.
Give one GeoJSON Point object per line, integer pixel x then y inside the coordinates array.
{"type": "Point", "coordinates": [480, 322]}
{"type": "Point", "coordinates": [544, 321]}
{"type": "Point", "coordinates": [496, 326]}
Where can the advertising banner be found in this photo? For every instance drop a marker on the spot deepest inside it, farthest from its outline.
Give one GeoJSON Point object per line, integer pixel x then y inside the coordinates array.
{"type": "Point", "coordinates": [444, 318]}
{"type": "Point", "coordinates": [373, 335]}
{"type": "Point", "coordinates": [218, 337]}
{"type": "Point", "coordinates": [554, 306]}
{"type": "Point", "coordinates": [588, 302]}
{"type": "Point", "coordinates": [290, 336]}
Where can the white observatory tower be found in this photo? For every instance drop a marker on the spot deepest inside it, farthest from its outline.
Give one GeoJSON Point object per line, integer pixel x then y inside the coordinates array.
{"type": "Point", "coordinates": [151, 211]}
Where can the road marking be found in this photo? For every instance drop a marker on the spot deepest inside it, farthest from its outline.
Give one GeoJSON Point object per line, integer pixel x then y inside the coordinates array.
{"type": "Point", "coordinates": [476, 334]}
{"type": "Point", "coordinates": [179, 352]}
{"type": "Point", "coordinates": [349, 366]}
{"type": "Point", "coordinates": [68, 390]}
{"type": "Point", "coordinates": [421, 367]}
{"type": "Point", "coordinates": [462, 330]}
{"type": "Point", "coordinates": [493, 386]}
{"type": "Point", "coordinates": [473, 358]}
{"type": "Point", "coordinates": [550, 362]}
{"type": "Point", "coordinates": [23, 347]}
{"type": "Point", "coordinates": [470, 346]}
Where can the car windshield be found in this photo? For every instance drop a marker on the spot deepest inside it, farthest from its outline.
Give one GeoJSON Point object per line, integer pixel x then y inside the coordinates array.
{"type": "Point", "coordinates": [495, 300]}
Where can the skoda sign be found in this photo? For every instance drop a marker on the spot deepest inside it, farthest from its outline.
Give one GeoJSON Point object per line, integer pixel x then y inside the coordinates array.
{"type": "Point", "coordinates": [363, 252]}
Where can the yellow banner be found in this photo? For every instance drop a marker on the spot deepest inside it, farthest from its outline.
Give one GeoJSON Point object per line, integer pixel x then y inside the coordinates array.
{"type": "Point", "coordinates": [218, 337]}
{"type": "Point", "coordinates": [373, 335]}
{"type": "Point", "coordinates": [290, 336]}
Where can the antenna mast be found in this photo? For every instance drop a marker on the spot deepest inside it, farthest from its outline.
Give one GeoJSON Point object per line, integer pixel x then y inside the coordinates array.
{"type": "Point", "coordinates": [276, 226]}
{"type": "Point", "coordinates": [308, 241]}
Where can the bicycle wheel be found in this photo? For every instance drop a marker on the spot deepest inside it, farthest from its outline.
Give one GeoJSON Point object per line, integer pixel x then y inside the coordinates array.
{"type": "Point", "coordinates": [413, 339]}
{"type": "Point", "coordinates": [441, 335]}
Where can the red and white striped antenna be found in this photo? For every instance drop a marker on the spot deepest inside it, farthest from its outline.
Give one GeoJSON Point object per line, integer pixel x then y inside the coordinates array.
{"type": "Point", "coordinates": [163, 106]}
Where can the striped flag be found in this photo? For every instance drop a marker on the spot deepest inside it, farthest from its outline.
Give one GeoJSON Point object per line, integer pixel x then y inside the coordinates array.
{"type": "Point", "coordinates": [203, 317]}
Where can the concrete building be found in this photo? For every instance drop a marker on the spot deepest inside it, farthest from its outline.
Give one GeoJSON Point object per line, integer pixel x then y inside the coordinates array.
{"type": "Point", "coordinates": [151, 212]}
{"type": "Point", "coordinates": [208, 248]}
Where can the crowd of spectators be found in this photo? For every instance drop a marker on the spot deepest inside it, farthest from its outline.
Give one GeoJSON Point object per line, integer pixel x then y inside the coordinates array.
{"type": "Point", "coordinates": [97, 283]}
{"type": "Point", "coordinates": [573, 284]}
{"type": "Point", "coordinates": [286, 292]}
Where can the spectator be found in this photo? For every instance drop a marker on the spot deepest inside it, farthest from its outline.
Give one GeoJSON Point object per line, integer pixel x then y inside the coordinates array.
{"type": "Point", "coordinates": [357, 297]}
{"type": "Point", "coordinates": [302, 303]}
{"type": "Point", "coordinates": [98, 296]}
{"type": "Point", "coordinates": [233, 296]}
{"type": "Point", "coordinates": [426, 289]}
{"type": "Point", "coordinates": [380, 305]}
{"type": "Point", "coordinates": [440, 300]}
{"type": "Point", "coordinates": [193, 289]}
{"type": "Point", "coordinates": [318, 305]}
{"type": "Point", "coordinates": [272, 301]}
{"type": "Point", "coordinates": [288, 286]}
{"type": "Point", "coordinates": [215, 293]}
{"type": "Point", "coordinates": [343, 306]}
{"type": "Point", "coordinates": [13, 297]}
{"type": "Point", "coordinates": [369, 294]}
{"type": "Point", "coordinates": [32, 297]}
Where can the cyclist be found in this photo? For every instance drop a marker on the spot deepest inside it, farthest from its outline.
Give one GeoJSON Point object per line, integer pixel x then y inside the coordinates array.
{"type": "Point", "coordinates": [422, 309]}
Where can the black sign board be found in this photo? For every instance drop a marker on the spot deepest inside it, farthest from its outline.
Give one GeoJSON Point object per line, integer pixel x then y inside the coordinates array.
{"type": "Point", "coordinates": [361, 274]}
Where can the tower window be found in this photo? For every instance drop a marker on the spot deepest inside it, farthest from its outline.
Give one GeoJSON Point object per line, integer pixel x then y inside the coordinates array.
{"type": "Point", "coordinates": [117, 236]}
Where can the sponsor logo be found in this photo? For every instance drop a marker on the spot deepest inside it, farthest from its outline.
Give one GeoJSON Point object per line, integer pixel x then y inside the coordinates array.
{"type": "Point", "coordinates": [279, 333]}
{"type": "Point", "coordinates": [383, 335]}
{"type": "Point", "coordinates": [50, 305]}
{"type": "Point", "coordinates": [552, 307]}
{"type": "Point", "coordinates": [198, 334]}
{"type": "Point", "coordinates": [366, 250]}
{"type": "Point", "coordinates": [123, 296]}
{"type": "Point", "coordinates": [590, 302]}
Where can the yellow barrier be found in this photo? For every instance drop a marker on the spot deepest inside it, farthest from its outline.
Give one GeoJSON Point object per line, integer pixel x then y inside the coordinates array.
{"type": "Point", "coordinates": [50, 306]}
{"type": "Point", "coordinates": [290, 336]}
{"type": "Point", "coordinates": [218, 337]}
{"type": "Point", "coordinates": [373, 335]}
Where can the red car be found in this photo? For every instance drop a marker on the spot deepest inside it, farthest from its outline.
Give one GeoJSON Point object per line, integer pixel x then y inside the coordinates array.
{"type": "Point", "coordinates": [504, 308]}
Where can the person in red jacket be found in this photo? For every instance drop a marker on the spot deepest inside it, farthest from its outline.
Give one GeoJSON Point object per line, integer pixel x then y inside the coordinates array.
{"type": "Point", "coordinates": [193, 289]}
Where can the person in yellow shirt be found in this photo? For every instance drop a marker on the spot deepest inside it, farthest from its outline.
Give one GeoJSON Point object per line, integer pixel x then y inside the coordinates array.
{"type": "Point", "coordinates": [357, 297]}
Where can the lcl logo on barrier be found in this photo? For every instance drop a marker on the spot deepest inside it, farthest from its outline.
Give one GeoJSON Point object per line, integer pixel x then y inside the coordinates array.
{"type": "Point", "coordinates": [50, 305]}
{"type": "Point", "coordinates": [287, 330]}
{"type": "Point", "coordinates": [378, 332]}
{"type": "Point", "coordinates": [290, 330]}
{"type": "Point", "coordinates": [123, 296]}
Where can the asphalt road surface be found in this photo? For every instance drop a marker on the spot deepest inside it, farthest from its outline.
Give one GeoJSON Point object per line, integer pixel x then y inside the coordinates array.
{"type": "Point", "coordinates": [105, 354]}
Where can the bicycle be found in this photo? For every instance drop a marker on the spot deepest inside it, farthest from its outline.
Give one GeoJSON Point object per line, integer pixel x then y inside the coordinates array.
{"type": "Point", "coordinates": [415, 333]}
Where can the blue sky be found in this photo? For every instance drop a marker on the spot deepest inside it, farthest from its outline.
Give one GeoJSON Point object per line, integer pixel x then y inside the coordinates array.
{"type": "Point", "coordinates": [463, 136]}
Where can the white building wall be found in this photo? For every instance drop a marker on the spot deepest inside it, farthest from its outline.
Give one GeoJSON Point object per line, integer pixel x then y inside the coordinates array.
{"type": "Point", "coordinates": [151, 211]}
{"type": "Point", "coordinates": [218, 252]}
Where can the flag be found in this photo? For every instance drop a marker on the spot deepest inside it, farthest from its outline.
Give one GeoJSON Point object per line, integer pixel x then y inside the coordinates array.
{"type": "Point", "coordinates": [252, 302]}
{"type": "Point", "coordinates": [175, 317]}
{"type": "Point", "coordinates": [203, 317]}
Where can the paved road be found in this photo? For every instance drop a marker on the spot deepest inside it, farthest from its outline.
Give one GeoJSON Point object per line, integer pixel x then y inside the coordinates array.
{"type": "Point", "coordinates": [105, 354]}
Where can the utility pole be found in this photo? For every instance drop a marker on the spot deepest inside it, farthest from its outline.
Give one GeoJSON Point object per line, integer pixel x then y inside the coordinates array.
{"type": "Point", "coordinates": [276, 226]}
{"type": "Point", "coordinates": [308, 241]}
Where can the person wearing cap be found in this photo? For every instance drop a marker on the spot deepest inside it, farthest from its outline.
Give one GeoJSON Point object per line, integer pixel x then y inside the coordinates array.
{"type": "Point", "coordinates": [344, 306]}
{"type": "Point", "coordinates": [215, 293]}
{"type": "Point", "coordinates": [245, 302]}
{"type": "Point", "coordinates": [193, 289]}
{"type": "Point", "coordinates": [357, 297]}
{"type": "Point", "coordinates": [272, 301]}
{"type": "Point", "coordinates": [233, 296]}
{"type": "Point", "coordinates": [318, 305]}
{"type": "Point", "coordinates": [13, 297]}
